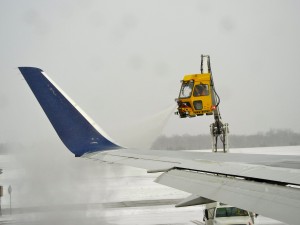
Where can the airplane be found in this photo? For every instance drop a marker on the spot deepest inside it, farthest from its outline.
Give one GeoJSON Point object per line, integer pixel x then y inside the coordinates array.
{"type": "Point", "coordinates": [268, 185]}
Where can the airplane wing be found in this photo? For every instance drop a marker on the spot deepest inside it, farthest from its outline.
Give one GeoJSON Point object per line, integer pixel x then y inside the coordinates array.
{"type": "Point", "coordinates": [265, 184]}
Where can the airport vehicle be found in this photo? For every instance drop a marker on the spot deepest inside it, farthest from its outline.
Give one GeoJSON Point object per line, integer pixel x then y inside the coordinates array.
{"type": "Point", "coordinates": [197, 97]}
{"type": "Point", "coordinates": [265, 184]}
{"type": "Point", "coordinates": [197, 94]}
{"type": "Point", "coordinates": [218, 213]}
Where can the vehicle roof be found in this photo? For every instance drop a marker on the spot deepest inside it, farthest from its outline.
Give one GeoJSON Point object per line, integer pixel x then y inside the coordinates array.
{"type": "Point", "coordinates": [197, 77]}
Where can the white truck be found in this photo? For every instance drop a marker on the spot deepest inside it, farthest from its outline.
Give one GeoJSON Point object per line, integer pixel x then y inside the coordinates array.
{"type": "Point", "coordinates": [217, 213]}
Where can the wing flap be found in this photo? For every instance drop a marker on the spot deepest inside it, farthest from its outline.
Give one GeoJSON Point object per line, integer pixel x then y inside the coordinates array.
{"type": "Point", "coordinates": [267, 173]}
{"type": "Point", "coordinates": [194, 200]}
{"type": "Point", "coordinates": [266, 199]}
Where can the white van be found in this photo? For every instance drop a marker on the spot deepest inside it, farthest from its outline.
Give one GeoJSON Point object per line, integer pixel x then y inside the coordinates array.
{"type": "Point", "coordinates": [217, 213]}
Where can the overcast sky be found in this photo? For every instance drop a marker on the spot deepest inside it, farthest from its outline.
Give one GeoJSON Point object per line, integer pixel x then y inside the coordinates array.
{"type": "Point", "coordinates": [122, 61]}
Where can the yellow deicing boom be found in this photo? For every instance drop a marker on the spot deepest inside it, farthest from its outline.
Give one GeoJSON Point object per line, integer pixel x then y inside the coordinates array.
{"type": "Point", "coordinates": [197, 97]}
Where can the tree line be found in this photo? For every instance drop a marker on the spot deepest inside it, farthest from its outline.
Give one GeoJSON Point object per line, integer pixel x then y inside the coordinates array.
{"type": "Point", "coordinates": [270, 138]}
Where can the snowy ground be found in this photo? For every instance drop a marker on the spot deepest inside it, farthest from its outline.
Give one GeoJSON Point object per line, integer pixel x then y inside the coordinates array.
{"type": "Point", "coordinates": [66, 190]}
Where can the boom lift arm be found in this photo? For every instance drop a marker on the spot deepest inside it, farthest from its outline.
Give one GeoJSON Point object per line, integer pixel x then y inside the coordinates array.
{"type": "Point", "coordinates": [198, 97]}
{"type": "Point", "coordinates": [218, 129]}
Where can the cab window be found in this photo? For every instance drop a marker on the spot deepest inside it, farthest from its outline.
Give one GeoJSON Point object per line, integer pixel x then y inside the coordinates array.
{"type": "Point", "coordinates": [201, 90]}
{"type": "Point", "coordinates": [186, 89]}
{"type": "Point", "coordinates": [231, 211]}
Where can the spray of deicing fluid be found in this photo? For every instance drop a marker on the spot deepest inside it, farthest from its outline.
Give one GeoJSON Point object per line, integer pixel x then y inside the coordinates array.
{"type": "Point", "coordinates": [142, 133]}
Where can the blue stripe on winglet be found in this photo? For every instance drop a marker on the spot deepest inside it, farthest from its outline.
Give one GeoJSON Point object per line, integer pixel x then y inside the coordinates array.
{"type": "Point", "coordinates": [75, 131]}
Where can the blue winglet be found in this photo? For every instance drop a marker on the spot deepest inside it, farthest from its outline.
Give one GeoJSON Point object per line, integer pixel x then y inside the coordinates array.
{"type": "Point", "coordinates": [76, 130]}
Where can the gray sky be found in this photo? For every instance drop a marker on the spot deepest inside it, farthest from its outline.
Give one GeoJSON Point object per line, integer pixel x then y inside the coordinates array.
{"type": "Point", "coordinates": [122, 61]}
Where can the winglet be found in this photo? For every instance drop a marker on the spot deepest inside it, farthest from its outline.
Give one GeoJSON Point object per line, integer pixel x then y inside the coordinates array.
{"type": "Point", "coordinates": [76, 129]}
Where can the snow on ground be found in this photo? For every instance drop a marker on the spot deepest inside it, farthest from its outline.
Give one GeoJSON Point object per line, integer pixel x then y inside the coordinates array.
{"type": "Point", "coordinates": [67, 190]}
